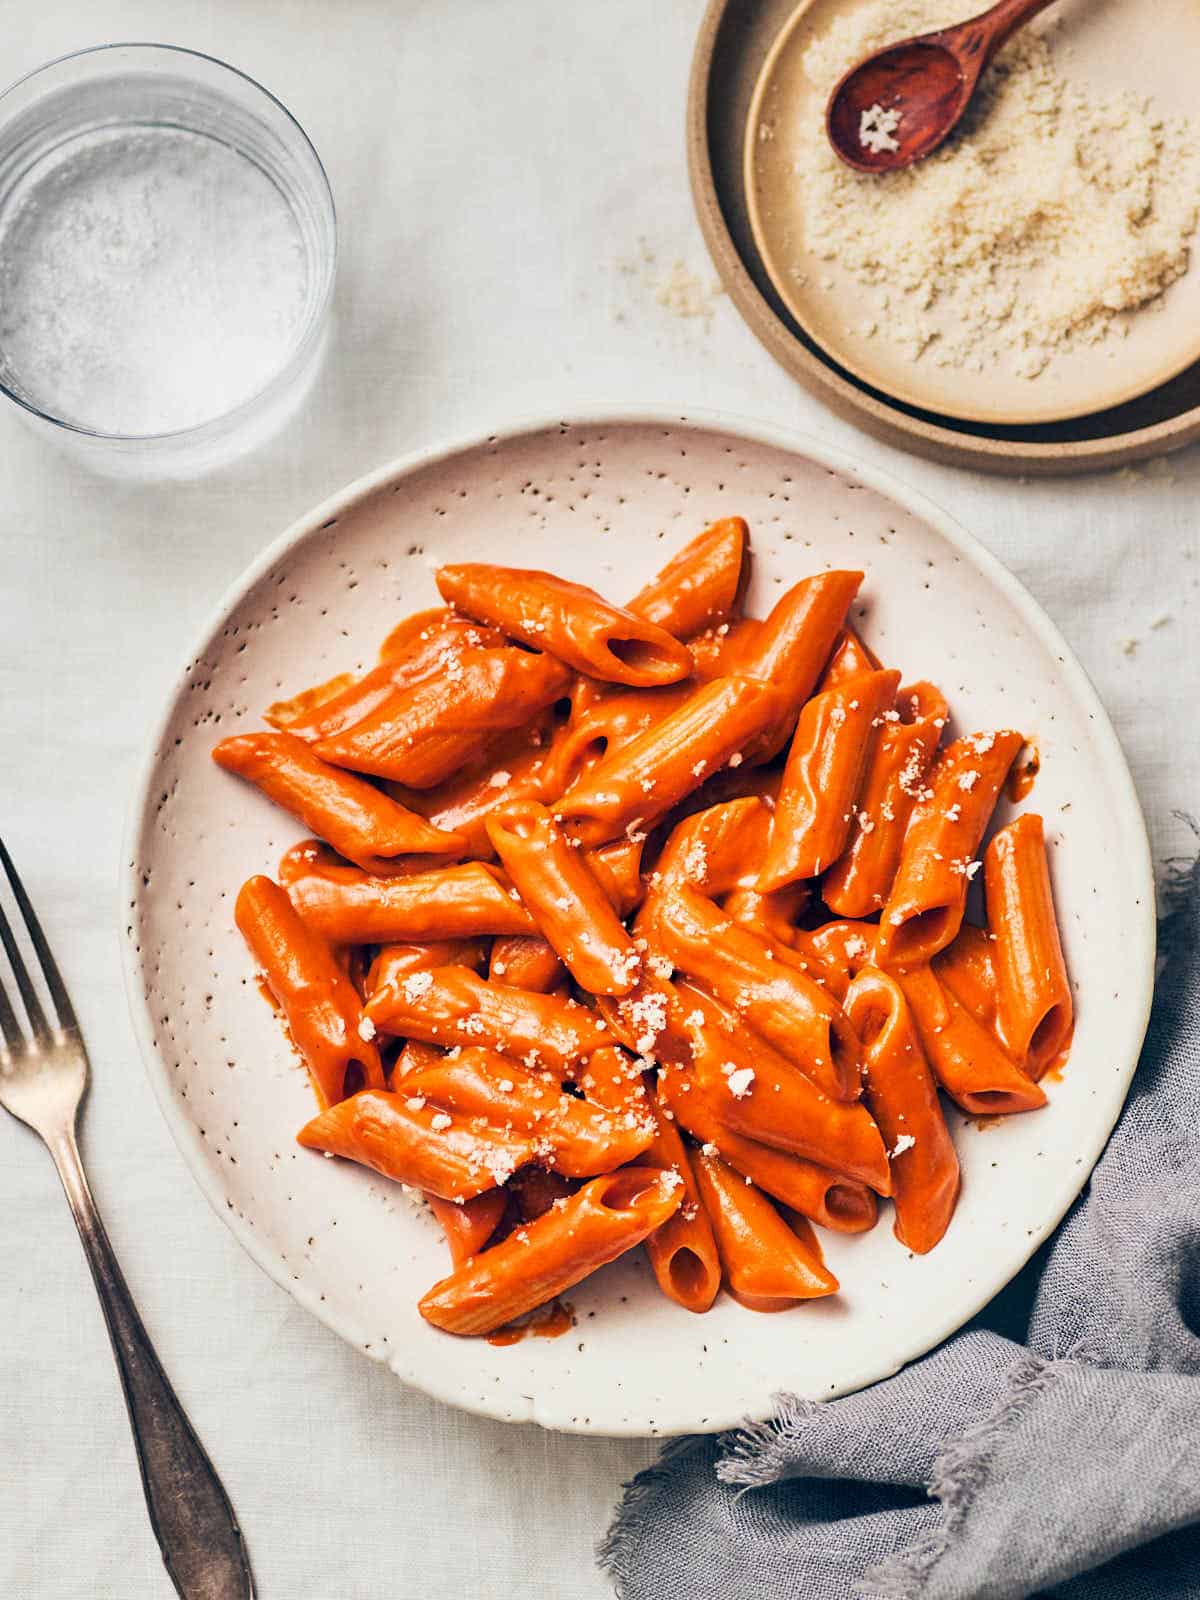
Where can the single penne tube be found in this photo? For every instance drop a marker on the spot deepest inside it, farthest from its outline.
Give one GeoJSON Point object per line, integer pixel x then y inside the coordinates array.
{"type": "Point", "coordinates": [515, 767]}
{"type": "Point", "coordinates": [439, 626]}
{"type": "Point", "coordinates": [826, 764]}
{"type": "Point", "coordinates": [526, 961]}
{"type": "Point", "coordinates": [758, 1092]}
{"type": "Point", "coordinates": [928, 898]}
{"type": "Point", "coordinates": [564, 898]}
{"type": "Point", "coordinates": [617, 868]}
{"type": "Point", "coordinates": [842, 1204]}
{"type": "Point", "coordinates": [572, 1136]}
{"type": "Point", "coordinates": [468, 1226]}
{"type": "Point", "coordinates": [460, 902]}
{"type": "Point", "coordinates": [774, 916]}
{"type": "Point", "coordinates": [609, 722]}
{"type": "Point", "coordinates": [394, 962]}
{"type": "Point", "coordinates": [836, 951]}
{"type": "Point", "coordinates": [850, 658]}
{"type": "Point", "coordinates": [318, 1002]}
{"type": "Point", "coordinates": [902, 1097]}
{"type": "Point", "coordinates": [637, 784]}
{"type": "Point", "coordinates": [753, 978]}
{"type": "Point", "coordinates": [701, 585]}
{"type": "Point", "coordinates": [861, 879]}
{"type": "Point", "coordinates": [682, 1253]}
{"type": "Point", "coordinates": [404, 1138]}
{"type": "Point", "coordinates": [717, 850]}
{"type": "Point", "coordinates": [298, 707]}
{"type": "Point", "coordinates": [351, 815]}
{"type": "Point", "coordinates": [534, 1191]}
{"type": "Point", "coordinates": [414, 1057]}
{"type": "Point", "coordinates": [967, 969]}
{"type": "Point", "coordinates": [542, 1259]}
{"type": "Point", "coordinates": [567, 619]}
{"type": "Point", "coordinates": [425, 731]}
{"type": "Point", "coordinates": [967, 1060]}
{"type": "Point", "coordinates": [649, 1021]}
{"type": "Point", "coordinates": [1034, 1011]}
{"type": "Point", "coordinates": [796, 639]}
{"type": "Point", "coordinates": [325, 715]}
{"type": "Point", "coordinates": [716, 652]}
{"type": "Point", "coordinates": [768, 1265]}
{"type": "Point", "coordinates": [454, 1006]}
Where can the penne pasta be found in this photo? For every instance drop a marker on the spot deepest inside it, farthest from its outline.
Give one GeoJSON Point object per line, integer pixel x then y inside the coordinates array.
{"type": "Point", "coordinates": [288, 713]}
{"type": "Point", "coordinates": [715, 851]}
{"type": "Point", "coordinates": [425, 731]}
{"type": "Point", "coordinates": [516, 766]}
{"type": "Point", "coordinates": [966, 968]}
{"type": "Point", "coordinates": [359, 822]}
{"type": "Point", "coordinates": [757, 1092]}
{"type": "Point", "coordinates": [318, 715]}
{"type": "Point", "coordinates": [608, 723]}
{"type": "Point", "coordinates": [404, 1138]}
{"type": "Point", "coordinates": [1034, 1009]}
{"type": "Point", "coordinates": [542, 1259]}
{"type": "Point", "coordinates": [774, 916]}
{"type": "Point", "coordinates": [645, 924]}
{"type": "Point", "coordinates": [717, 651]}
{"type": "Point", "coordinates": [701, 585]}
{"type": "Point", "coordinates": [394, 962]}
{"type": "Point", "coordinates": [469, 1226]}
{"type": "Point", "coordinates": [768, 1264]}
{"type": "Point", "coordinates": [967, 1060]}
{"type": "Point", "coordinates": [637, 784]}
{"type": "Point", "coordinates": [454, 1006]}
{"type": "Point", "coordinates": [897, 769]}
{"type": "Point", "coordinates": [850, 658]}
{"type": "Point", "coordinates": [318, 1002]}
{"type": "Point", "coordinates": [821, 782]}
{"type": "Point", "coordinates": [570, 1135]}
{"type": "Point", "coordinates": [682, 1253]}
{"type": "Point", "coordinates": [461, 902]}
{"type": "Point", "coordinates": [836, 952]}
{"type": "Point", "coordinates": [771, 996]}
{"type": "Point", "coordinates": [902, 1097]}
{"type": "Point", "coordinates": [796, 639]}
{"type": "Point", "coordinates": [842, 1204]}
{"type": "Point", "coordinates": [925, 908]}
{"type": "Point", "coordinates": [569, 620]}
{"type": "Point", "coordinates": [525, 962]}
{"type": "Point", "coordinates": [414, 1057]}
{"type": "Point", "coordinates": [565, 899]}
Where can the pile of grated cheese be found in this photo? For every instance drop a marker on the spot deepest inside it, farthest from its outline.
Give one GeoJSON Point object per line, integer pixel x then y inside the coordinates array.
{"type": "Point", "coordinates": [1050, 218]}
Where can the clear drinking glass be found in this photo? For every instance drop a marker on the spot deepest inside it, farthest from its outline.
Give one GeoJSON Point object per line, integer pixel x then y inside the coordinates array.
{"type": "Point", "coordinates": [167, 255]}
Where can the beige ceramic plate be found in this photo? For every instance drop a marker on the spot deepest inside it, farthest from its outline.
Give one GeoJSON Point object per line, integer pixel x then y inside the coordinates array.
{"type": "Point", "coordinates": [1092, 41]}
{"type": "Point", "coordinates": [603, 501]}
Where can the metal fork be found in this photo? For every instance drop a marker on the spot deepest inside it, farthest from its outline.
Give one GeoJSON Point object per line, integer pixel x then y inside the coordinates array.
{"type": "Point", "coordinates": [43, 1075]}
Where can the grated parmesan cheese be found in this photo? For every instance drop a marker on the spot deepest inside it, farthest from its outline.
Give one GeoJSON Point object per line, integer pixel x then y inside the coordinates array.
{"type": "Point", "coordinates": [1053, 214]}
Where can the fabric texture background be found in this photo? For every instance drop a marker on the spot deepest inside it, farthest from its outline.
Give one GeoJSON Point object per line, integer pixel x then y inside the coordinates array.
{"type": "Point", "coordinates": [1066, 1464]}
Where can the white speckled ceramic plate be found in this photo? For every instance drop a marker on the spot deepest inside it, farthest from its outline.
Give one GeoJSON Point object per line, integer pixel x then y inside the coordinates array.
{"type": "Point", "coordinates": [1091, 44]}
{"type": "Point", "coordinates": [605, 501]}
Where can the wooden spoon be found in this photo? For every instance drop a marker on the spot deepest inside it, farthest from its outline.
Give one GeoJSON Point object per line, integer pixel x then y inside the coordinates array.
{"type": "Point", "coordinates": [898, 105]}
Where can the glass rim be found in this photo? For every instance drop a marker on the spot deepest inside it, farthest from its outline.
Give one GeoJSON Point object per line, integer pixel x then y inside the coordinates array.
{"type": "Point", "coordinates": [316, 320]}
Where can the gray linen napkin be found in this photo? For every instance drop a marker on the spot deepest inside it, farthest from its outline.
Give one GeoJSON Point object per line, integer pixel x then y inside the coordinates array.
{"type": "Point", "coordinates": [1066, 1464]}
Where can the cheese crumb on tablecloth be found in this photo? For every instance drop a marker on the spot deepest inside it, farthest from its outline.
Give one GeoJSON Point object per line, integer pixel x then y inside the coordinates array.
{"type": "Point", "coordinates": [1052, 215]}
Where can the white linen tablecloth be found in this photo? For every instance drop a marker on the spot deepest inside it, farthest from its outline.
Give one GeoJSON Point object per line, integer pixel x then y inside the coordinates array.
{"type": "Point", "coordinates": [512, 201]}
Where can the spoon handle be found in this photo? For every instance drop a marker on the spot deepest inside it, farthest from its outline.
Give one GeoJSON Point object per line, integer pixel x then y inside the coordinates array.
{"type": "Point", "coordinates": [986, 34]}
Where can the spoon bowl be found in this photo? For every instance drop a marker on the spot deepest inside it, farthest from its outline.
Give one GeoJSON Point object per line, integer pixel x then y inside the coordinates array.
{"type": "Point", "coordinates": [922, 81]}
{"type": "Point", "coordinates": [899, 104]}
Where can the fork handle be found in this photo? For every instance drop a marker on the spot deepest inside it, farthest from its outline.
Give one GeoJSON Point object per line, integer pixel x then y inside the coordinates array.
{"type": "Point", "coordinates": [190, 1512]}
